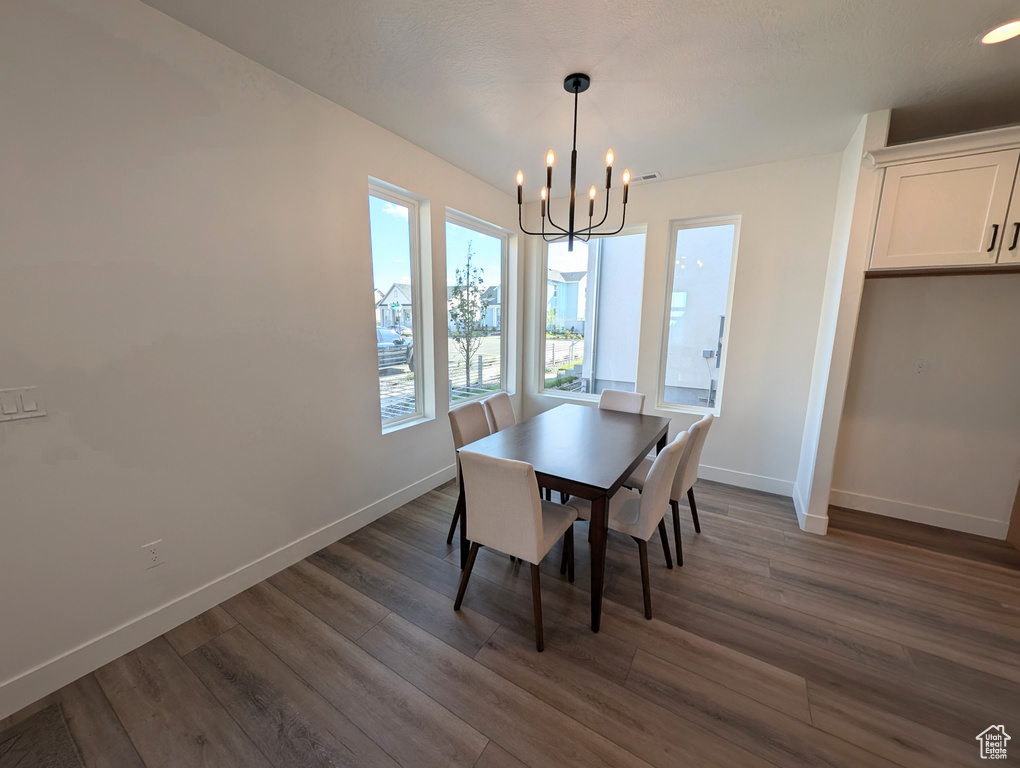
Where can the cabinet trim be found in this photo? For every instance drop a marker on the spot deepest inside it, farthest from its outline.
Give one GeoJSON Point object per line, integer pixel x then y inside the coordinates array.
{"type": "Point", "coordinates": [970, 269]}
{"type": "Point", "coordinates": [945, 147]}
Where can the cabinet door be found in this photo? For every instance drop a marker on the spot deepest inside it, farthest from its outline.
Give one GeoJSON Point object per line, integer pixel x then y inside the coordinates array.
{"type": "Point", "coordinates": [944, 212]}
{"type": "Point", "coordinates": [1009, 253]}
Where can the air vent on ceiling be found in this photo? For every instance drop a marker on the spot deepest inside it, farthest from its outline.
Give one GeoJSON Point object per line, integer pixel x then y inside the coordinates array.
{"type": "Point", "coordinates": [640, 178]}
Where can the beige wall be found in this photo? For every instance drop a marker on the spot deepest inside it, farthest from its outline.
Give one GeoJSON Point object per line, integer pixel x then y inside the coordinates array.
{"type": "Point", "coordinates": [786, 214]}
{"type": "Point", "coordinates": [185, 275]}
{"type": "Point", "coordinates": [940, 447]}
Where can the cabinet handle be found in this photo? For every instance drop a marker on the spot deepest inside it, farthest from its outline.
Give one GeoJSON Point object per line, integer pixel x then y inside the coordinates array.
{"type": "Point", "coordinates": [995, 235]}
{"type": "Point", "coordinates": [1016, 235]}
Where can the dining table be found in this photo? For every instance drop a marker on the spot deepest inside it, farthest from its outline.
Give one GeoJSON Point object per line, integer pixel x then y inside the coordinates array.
{"type": "Point", "coordinates": [582, 451]}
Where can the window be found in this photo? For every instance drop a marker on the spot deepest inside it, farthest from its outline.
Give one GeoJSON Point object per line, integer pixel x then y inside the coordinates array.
{"type": "Point", "coordinates": [393, 220]}
{"type": "Point", "coordinates": [475, 279]}
{"type": "Point", "coordinates": [593, 314]}
{"type": "Point", "coordinates": [701, 289]}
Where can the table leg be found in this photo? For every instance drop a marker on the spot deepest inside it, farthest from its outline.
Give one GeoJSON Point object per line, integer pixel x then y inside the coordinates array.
{"type": "Point", "coordinates": [462, 514]}
{"type": "Point", "coordinates": [662, 443]}
{"type": "Point", "coordinates": [599, 527]}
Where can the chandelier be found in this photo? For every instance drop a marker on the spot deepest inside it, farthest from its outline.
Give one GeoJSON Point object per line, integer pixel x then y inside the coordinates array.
{"type": "Point", "coordinates": [576, 84]}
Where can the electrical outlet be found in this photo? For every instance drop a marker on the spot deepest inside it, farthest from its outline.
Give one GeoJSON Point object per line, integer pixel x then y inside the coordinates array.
{"type": "Point", "coordinates": [152, 554]}
{"type": "Point", "coordinates": [920, 366]}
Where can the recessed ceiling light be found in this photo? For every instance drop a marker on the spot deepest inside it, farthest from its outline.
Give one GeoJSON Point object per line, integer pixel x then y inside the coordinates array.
{"type": "Point", "coordinates": [1002, 32]}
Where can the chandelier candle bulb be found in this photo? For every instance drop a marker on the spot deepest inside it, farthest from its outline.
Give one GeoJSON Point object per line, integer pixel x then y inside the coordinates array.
{"type": "Point", "coordinates": [626, 186]}
{"type": "Point", "coordinates": [549, 160]}
{"type": "Point", "coordinates": [520, 187]}
{"type": "Point", "coordinates": [591, 202]}
{"type": "Point", "coordinates": [543, 202]}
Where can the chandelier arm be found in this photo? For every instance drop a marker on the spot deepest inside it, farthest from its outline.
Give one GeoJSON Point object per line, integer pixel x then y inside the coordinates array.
{"type": "Point", "coordinates": [589, 228]}
{"type": "Point", "coordinates": [548, 208]}
{"type": "Point", "coordinates": [619, 229]}
{"type": "Point", "coordinates": [520, 221]}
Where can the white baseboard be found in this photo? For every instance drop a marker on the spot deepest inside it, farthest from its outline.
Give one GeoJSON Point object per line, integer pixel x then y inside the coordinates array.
{"type": "Point", "coordinates": [943, 518]}
{"type": "Point", "coordinates": [747, 480]}
{"type": "Point", "coordinates": [30, 686]}
{"type": "Point", "coordinates": [809, 523]}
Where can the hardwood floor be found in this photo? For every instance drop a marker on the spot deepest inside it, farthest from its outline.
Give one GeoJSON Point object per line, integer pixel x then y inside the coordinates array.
{"type": "Point", "coordinates": [882, 644]}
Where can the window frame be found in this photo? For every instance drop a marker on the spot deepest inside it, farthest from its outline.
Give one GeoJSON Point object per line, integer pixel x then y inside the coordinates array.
{"type": "Point", "coordinates": [675, 227]}
{"type": "Point", "coordinates": [467, 221]}
{"type": "Point", "coordinates": [630, 229]}
{"type": "Point", "coordinates": [397, 196]}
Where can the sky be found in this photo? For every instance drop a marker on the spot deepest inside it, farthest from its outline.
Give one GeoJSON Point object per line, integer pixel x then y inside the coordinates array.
{"type": "Point", "coordinates": [391, 262]}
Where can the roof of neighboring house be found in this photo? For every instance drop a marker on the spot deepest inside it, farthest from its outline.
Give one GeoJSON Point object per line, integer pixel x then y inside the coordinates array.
{"type": "Point", "coordinates": [491, 294]}
{"type": "Point", "coordinates": [566, 277]}
{"type": "Point", "coordinates": [400, 292]}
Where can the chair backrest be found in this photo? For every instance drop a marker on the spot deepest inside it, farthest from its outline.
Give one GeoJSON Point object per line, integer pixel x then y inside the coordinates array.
{"type": "Point", "coordinates": [618, 400]}
{"type": "Point", "coordinates": [504, 510]}
{"type": "Point", "coordinates": [657, 486]}
{"type": "Point", "coordinates": [687, 473]}
{"type": "Point", "coordinates": [500, 411]}
{"type": "Point", "coordinates": [468, 423]}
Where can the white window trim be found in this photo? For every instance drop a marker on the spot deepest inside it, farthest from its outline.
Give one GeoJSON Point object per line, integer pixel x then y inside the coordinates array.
{"type": "Point", "coordinates": [483, 227]}
{"type": "Point", "coordinates": [675, 226]}
{"type": "Point", "coordinates": [583, 397]}
{"type": "Point", "coordinates": [397, 196]}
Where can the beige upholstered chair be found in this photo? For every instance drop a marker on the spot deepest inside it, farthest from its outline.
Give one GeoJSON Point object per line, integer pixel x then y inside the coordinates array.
{"type": "Point", "coordinates": [505, 512]}
{"type": "Point", "coordinates": [683, 483]}
{"type": "Point", "coordinates": [618, 400]}
{"type": "Point", "coordinates": [468, 423]}
{"type": "Point", "coordinates": [639, 515]}
{"type": "Point", "coordinates": [500, 411]}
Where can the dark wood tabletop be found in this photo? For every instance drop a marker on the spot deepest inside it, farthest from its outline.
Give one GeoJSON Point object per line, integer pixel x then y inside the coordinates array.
{"type": "Point", "coordinates": [585, 451]}
{"type": "Point", "coordinates": [580, 445]}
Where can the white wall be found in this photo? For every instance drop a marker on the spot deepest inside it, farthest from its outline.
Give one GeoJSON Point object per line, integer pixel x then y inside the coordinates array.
{"type": "Point", "coordinates": [787, 213]}
{"type": "Point", "coordinates": [941, 447]}
{"type": "Point", "coordinates": [185, 274]}
{"type": "Point", "coordinates": [849, 253]}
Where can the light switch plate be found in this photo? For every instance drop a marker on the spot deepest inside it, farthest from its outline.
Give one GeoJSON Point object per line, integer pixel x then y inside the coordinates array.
{"type": "Point", "coordinates": [20, 403]}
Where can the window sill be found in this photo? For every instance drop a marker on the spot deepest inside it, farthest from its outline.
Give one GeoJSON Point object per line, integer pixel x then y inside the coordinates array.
{"type": "Point", "coordinates": [693, 409]}
{"type": "Point", "coordinates": [411, 421]}
{"type": "Point", "coordinates": [574, 397]}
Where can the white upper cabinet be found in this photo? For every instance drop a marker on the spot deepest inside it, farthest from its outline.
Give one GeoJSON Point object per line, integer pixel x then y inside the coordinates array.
{"type": "Point", "coordinates": [948, 212]}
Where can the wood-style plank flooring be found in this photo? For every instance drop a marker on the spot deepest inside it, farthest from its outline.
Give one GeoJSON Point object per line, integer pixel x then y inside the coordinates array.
{"type": "Point", "coordinates": [882, 644]}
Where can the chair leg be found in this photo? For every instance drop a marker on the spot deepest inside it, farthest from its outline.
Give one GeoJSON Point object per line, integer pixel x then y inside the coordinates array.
{"type": "Point", "coordinates": [548, 494]}
{"type": "Point", "coordinates": [694, 509]}
{"type": "Point", "coordinates": [564, 497]}
{"type": "Point", "coordinates": [536, 597]}
{"type": "Point", "coordinates": [675, 506]}
{"type": "Point", "coordinates": [466, 575]}
{"type": "Point", "coordinates": [664, 538]}
{"type": "Point", "coordinates": [646, 586]}
{"type": "Point", "coordinates": [570, 552]}
{"type": "Point", "coordinates": [453, 526]}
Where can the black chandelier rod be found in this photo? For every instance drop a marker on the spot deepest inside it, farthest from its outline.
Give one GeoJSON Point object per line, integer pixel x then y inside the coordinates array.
{"type": "Point", "coordinates": [576, 83]}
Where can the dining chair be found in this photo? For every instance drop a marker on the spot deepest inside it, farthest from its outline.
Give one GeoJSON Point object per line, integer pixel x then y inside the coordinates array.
{"type": "Point", "coordinates": [639, 515]}
{"type": "Point", "coordinates": [499, 411]}
{"type": "Point", "coordinates": [683, 483]}
{"type": "Point", "coordinates": [468, 423]}
{"type": "Point", "coordinates": [619, 400]}
{"type": "Point", "coordinates": [506, 513]}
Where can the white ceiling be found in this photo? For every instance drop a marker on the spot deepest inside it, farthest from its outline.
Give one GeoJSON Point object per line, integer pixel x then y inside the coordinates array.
{"type": "Point", "coordinates": [678, 86]}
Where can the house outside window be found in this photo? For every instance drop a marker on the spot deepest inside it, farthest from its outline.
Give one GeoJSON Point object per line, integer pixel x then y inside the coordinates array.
{"type": "Point", "coordinates": [593, 314]}
{"type": "Point", "coordinates": [476, 273]}
{"type": "Point", "coordinates": [394, 226]}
